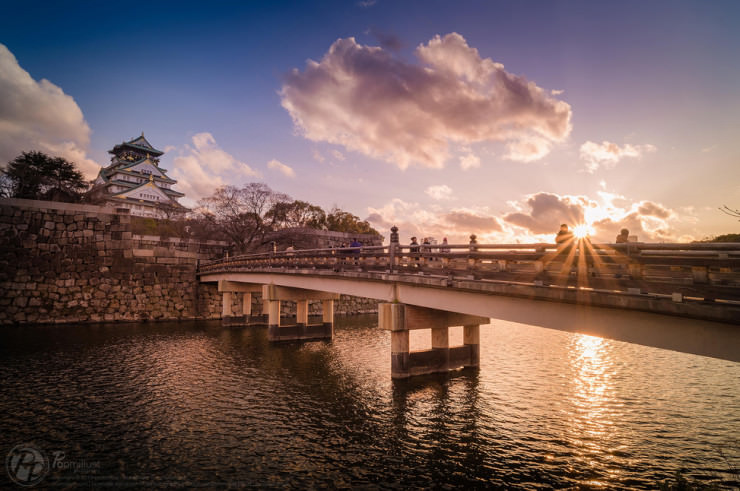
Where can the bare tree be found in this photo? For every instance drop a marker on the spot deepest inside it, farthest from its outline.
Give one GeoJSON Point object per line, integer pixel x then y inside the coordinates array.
{"type": "Point", "coordinates": [729, 211]}
{"type": "Point", "coordinates": [242, 213]}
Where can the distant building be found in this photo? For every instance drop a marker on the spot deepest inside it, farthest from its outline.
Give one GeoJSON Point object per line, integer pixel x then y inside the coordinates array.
{"type": "Point", "coordinates": [135, 181]}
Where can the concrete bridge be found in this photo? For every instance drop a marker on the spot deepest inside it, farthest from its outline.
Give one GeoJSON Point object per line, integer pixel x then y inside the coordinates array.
{"type": "Point", "coordinates": [684, 297]}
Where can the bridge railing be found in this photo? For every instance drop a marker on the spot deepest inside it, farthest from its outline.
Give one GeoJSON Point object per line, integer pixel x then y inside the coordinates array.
{"type": "Point", "coordinates": [703, 270]}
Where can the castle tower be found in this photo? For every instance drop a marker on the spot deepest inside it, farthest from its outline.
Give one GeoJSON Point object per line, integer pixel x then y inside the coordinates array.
{"type": "Point", "coordinates": [135, 181]}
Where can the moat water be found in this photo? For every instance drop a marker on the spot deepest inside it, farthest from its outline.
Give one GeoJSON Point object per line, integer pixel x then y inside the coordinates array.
{"type": "Point", "coordinates": [197, 405]}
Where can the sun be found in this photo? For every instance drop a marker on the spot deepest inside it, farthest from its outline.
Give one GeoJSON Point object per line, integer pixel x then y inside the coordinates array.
{"type": "Point", "coordinates": [582, 230]}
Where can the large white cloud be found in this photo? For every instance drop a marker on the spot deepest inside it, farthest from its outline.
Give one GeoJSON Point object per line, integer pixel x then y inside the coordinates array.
{"type": "Point", "coordinates": [204, 166]}
{"type": "Point", "coordinates": [40, 116]}
{"type": "Point", "coordinates": [608, 154]}
{"type": "Point", "coordinates": [369, 101]}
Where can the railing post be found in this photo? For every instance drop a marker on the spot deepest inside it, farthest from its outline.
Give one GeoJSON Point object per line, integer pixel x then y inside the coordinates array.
{"type": "Point", "coordinates": [392, 247]}
{"type": "Point", "coordinates": [473, 248]}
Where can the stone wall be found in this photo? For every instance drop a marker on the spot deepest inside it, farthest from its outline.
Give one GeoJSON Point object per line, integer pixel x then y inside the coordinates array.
{"type": "Point", "coordinates": [64, 263]}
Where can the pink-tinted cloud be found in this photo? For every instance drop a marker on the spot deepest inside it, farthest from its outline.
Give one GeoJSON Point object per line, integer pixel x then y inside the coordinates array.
{"type": "Point", "coordinates": [537, 219]}
{"type": "Point", "coordinates": [547, 211]}
{"type": "Point", "coordinates": [40, 116]}
{"type": "Point", "coordinates": [204, 166]}
{"type": "Point", "coordinates": [542, 213]}
{"type": "Point", "coordinates": [367, 100]}
{"type": "Point", "coordinates": [608, 154]}
{"type": "Point", "coordinates": [412, 219]}
{"type": "Point", "coordinates": [469, 161]}
{"type": "Point", "coordinates": [278, 166]}
{"type": "Point", "coordinates": [440, 192]}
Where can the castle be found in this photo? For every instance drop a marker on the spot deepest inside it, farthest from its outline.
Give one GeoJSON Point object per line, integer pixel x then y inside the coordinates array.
{"type": "Point", "coordinates": [135, 181]}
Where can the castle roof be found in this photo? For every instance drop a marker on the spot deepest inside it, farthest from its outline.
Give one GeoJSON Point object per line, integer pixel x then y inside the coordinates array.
{"type": "Point", "coordinates": [139, 143]}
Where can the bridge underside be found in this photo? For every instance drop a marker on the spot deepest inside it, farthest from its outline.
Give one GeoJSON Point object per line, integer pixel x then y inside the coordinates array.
{"type": "Point", "coordinates": [618, 322]}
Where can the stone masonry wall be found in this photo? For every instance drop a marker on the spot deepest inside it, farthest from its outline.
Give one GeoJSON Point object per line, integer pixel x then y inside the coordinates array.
{"type": "Point", "coordinates": [65, 263]}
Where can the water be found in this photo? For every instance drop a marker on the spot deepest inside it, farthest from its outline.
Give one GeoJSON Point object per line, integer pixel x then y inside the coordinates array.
{"type": "Point", "coordinates": [198, 405]}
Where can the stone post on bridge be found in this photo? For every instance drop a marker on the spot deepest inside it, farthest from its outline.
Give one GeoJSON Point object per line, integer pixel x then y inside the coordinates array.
{"type": "Point", "coordinates": [301, 330]}
{"type": "Point", "coordinates": [393, 249]}
{"type": "Point", "coordinates": [399, 319]}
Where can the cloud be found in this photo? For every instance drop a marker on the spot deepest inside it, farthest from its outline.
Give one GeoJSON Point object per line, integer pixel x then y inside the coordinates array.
{"type": "Point", "coordinates": [40, 116]}
{"type": "Point", "coordinates": [527, 150]}
{"type": "Point", "coordinates": [608, 154]}
{"type": "Point", "coordinates": [204, 166]}
{"type": "Point", "coordinates": [472, 221]}
{"type": "Point", "coordinates": [387, 40]}
{"type": "Point", "coordinates": [606, 214]}
{"type": "Point", "coordinates": [278, 166]}
{"type": "Point", "coordinates": [441, 192]}
{"type": "Point", "coordinates": [369, 101]}
{"type": "Point", "coordinates": [317, 156]}
{"type": "Point", "coordinates": [337, 155]}
{"type": "Point", "coordinates": [536, 218]}
{"type": "Point", "coordinates": [412, 219]}
{"type": "Point", "coordinates": [469, 161]}
{"type": "Point", "coordinates": [547, 211]}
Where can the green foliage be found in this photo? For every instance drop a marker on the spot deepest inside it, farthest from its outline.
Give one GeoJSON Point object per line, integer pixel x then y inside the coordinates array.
{"type": "Point", "coordinates": [343, 221]}
{"type": "Point", "coordinates": [35, 175]}
{"type": "Point", "coordinates": [286, 214]}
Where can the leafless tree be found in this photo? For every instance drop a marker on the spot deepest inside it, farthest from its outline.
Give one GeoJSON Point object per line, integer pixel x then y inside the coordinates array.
{"type": "Point", "coordinates": [729, 211]}
{"type": "Point", "coordinates": [241, 213]}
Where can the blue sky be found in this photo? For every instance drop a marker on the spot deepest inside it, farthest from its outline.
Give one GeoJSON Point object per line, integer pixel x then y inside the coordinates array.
{"type": "Point", "coordinates": [519, 116]}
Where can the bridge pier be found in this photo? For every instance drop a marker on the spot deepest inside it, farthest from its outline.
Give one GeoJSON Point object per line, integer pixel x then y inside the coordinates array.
{"type": "Point", "coordinates": [399, 319]}
{"type": "Point", "coordinates": [302, 330]}
{"type": "Point", "coordinates": [230, 288]}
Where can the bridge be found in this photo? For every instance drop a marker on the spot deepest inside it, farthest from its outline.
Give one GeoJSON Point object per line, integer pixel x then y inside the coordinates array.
{"type": "Point", "coordinates": [684, 297]}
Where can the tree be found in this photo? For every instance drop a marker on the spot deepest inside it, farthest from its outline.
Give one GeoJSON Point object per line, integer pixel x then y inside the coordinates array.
{"type": "Point", "coordinates": [343, 221]}
{"type": "Point", "coordinates": [297, 214]}
{"type": "Point", "coordinates": [729, 211]}
{"type": "Point", "coordinates": [242, 214]}
{"type": "Point", "coordinates": [35, 175]}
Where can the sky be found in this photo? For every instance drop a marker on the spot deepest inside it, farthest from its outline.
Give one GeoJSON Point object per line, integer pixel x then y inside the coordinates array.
{"type": "Point", "coordinates": [498, 118]}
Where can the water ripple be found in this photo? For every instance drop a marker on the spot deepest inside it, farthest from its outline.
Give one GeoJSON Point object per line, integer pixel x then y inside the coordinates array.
{"type": "Point", "coordinates": [185, 405]}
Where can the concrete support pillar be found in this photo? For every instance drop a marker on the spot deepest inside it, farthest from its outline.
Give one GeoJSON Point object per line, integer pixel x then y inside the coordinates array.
{"type": "Point", "coordinates": [399, 319]}
{"type": "Point", "coordinates": [400, 354]}
{"type": "Point", "coordinates": [230, 288]}
{"type": "Point", "coordinates": [301, 309]}
{"type": "Point", "coordinates": [471, 338]}
{"type": "Point", "coordinates": [327, 314]}
{"type": "Point", "coordinates": [265, 307]}
{"type": "Point", "coordinates": [302, 330]}
{"type": "Point", "coordinates": [247, 305]}
{"type": "Point", "coordinates": [539, 267]}
{"type": "Point", "coordinates": [273, 313]}
{"type": "Point", "coordinates": [226, 305]}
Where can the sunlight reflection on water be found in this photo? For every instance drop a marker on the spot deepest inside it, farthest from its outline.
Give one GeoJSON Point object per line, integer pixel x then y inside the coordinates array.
{"type": "Point", "coordinates": [206, 404]}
